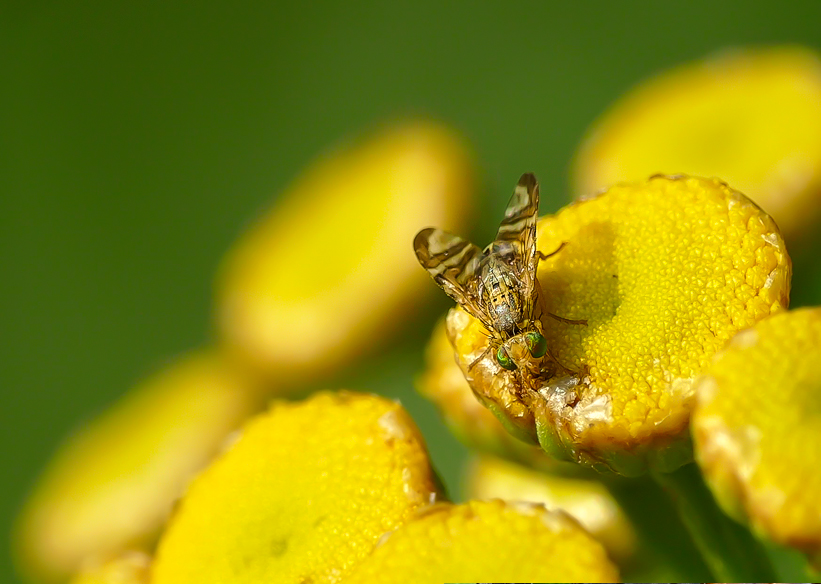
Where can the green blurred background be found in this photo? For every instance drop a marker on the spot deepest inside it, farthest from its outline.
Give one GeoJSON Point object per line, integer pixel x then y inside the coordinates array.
{"type": "Point", "coordinates": [137, 139]}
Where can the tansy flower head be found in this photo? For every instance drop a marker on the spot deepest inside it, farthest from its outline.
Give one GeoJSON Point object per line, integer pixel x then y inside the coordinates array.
{"type": "Point", "coordinates": [586, 500]}
{"type": "Point", "coordinates": [750, 116]}
{"type": "Point", "coordinates": [756, 428]}
{"type": "Point", "coordinates": [112, 485]}
{"type": "Point", "coordinates": [326, 272]}
{"type": "Point", "coordinates": [664, 272]}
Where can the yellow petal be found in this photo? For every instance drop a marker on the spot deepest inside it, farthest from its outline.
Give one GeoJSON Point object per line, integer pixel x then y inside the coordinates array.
{"type": "Point", "coordinates": [444, 384]}
{"type": "Point", "coordinates": [587, 501]}
{"type": "Point", "coordinates": [304, 495]}
{"type": "Point", "coordinates": [751, 117]}
{"type": "Point", "coordinates": [129, 568]}
{"type": "Point", "coordinates": [664, 272]}
{"type": "Point", "coordinates": [330, 270]}
{"type": "Point", "coordinates": [490, 541]}
{"type": "Point", "coordinates": [756, 428]}
{"type": "Point", "coordinates": [112, 485]}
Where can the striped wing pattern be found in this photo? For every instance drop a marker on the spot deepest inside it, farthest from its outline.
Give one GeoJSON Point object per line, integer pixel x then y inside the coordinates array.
{"type": "Point", "coordinates": [452, 262]}
{"type": "Point", "coordinates": [519, 224]}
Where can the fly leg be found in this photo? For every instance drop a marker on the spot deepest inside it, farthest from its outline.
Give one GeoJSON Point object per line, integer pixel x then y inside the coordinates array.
{"type": "Point", "coordinates": [543, 309]}
{"type": "Point", "coordinates": [479, 358]}
{"type": "Point", "coordinates": [582, 321]}
{"type": "Point", "coordinates": [544, 256]}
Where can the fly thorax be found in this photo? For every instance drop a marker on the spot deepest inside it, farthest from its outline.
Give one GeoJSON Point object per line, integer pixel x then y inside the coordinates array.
{"type": "Point", "coordinates": [503, 250]}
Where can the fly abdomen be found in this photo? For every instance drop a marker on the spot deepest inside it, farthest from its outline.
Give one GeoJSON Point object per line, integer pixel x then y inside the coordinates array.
{"type": "Point", "coordinates": [504, 321]}
{"type": "Point", "coordinates": [501, 294]}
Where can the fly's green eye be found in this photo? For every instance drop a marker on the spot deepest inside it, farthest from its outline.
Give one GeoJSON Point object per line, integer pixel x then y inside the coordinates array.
{"type": "Point", "coordinates": [536, 344]}
{"type": "Point", "coordinates": [504, 359]}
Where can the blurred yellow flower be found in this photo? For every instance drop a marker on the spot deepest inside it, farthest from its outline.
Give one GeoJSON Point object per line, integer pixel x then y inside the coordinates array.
{"type": "Point", "coordinates": [112, 485]}
{"type": "Point", "coordinates": [329, 271]}
{"type": "Point", "coordinates": [751, 117]}
{"type": "Point", "coordinates": [586, 500]}
{"type": "Point", "coordinates": [756, 428]}
{"type": "Point", "coordinates": [339, 488]}
{"type": "Point", "coordinates": [488, 540]}
{"type": "Point", "coordinates": [128, 568]}
{"type": "Point", "coordinates": [664, 272]}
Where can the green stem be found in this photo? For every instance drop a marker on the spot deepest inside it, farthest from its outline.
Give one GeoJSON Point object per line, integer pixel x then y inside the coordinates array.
{"type": "Point", "coordinates": [667, 552]}
{"type": "Point", "coordinates": [729, 549]}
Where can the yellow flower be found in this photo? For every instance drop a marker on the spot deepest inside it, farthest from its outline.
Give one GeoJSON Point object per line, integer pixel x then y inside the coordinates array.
{"type": "Point", "coordinates": [586, 500]}
{"type": "Point", "coordinates": [756, 428]}
{"type": "Point", "coordinates": [327, 273]}
{"type": "Point", "coordinates": [488, 540]}
{"type": "Point", "coordinates": [112, 485]}
{"type": "Point", "coordinates": [665, 272]}
{"type": "Point", "coordinates": [583, 496]}
{"type": "Point", "coordinates": [339, 489]}
{"type": "Point", "coordinates": [750, 117]}
{"type": "Point", "coordinates": [128, 568]}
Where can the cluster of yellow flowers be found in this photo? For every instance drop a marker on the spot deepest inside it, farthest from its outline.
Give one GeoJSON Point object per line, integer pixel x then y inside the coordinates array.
{"type": "Point", "coordinates": [689, 353]}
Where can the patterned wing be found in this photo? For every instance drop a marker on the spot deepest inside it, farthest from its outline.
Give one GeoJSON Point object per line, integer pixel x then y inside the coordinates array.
{"type": "Point", "coordinates": [519, 224]}
{"type": "Point", "coordinates": [452, 262]}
